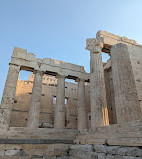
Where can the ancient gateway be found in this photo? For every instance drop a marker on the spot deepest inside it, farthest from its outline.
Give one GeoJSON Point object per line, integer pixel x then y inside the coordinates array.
{"type": "Point", "coordinates": [98, 116]}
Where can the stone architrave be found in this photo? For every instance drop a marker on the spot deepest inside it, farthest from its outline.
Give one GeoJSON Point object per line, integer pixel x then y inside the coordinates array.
{"type": "Point", "coordinates": [34, 110]}
{"type": "Point", "coordinates": [8, 96]}
{"type": "Point", "coordinates": [99, 116]}
{"type": "Point", "coordinates": [81, 105]}
{"type": "Point", "coordinates": [125, 93]}
{"type": "Point", "coordinates": [59, 118]}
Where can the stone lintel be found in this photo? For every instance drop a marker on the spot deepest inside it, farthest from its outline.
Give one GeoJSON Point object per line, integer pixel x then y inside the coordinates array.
{"type": "Point", "coordinates": [109, 39]}
{"type": "Point", "coordinates": [29, 62]}
{"type": "Point", "coordinates": [12, 64]}
{"type": "Point", "coordinates": [79, 79]}
{"type": "Point", "coordinates": [60, 76]}
{"type": "Point", "coordinates": [38, 71]}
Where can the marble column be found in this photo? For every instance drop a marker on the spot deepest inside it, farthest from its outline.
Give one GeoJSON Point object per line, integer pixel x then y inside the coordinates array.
{"type": "Point", "coordinates": [81, 105]}
{"type": "Point", "coordinates": [97, 86]}
{"type": "Point", "coordinates": [59, 118]}
{"type": "Point", "coordinates": [125, 92]}
{"type": "Point", "coordinates": [34, 109]}
{"type": "Point", "coordinates": [8, 96]}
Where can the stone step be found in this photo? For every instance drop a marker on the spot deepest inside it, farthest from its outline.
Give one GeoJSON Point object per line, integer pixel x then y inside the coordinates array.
{"type": "Point", "coordinates": [123, 141]}
{"type": "Point", "coordinates": [35, 141]}
{"type": "Point", "coordinates": [48, 136]}
{"type": "Point", "coordinates": [127, 127]}
{"type": "Point", "coordinates": [129, 141]}
{"type": "Point", "coordinates": [47, 130]}
{"type": "Point", "coordinates": [116, 135]}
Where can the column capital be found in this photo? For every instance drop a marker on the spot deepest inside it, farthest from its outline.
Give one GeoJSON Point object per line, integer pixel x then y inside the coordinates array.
{"type": "Point", "coordinates": [14, 65]}
{"type": "Point", "coordinates": [38, 71]}
{"type": "Point", "coordinates": [80, 79]}
{"type": "Point", "coordinates": [93, 45]}
{"type": "Point", "coordinates": [60, 76]}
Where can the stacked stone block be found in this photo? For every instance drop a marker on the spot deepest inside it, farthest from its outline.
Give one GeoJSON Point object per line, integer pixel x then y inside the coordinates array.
{"type": "Point", "coordinates": [104, 152]}
{"type": "Point", "coordinates": [66, 151]}
{"type": "Point", "coordinates": [34, 151]}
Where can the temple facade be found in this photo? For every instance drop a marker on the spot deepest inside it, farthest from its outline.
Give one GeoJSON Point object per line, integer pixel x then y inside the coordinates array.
{"type": "Point", "coordinates": [99, 115]}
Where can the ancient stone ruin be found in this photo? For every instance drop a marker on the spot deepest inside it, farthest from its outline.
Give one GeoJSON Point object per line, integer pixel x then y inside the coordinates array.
{"type": "Point", "coordinates": [99, 116]}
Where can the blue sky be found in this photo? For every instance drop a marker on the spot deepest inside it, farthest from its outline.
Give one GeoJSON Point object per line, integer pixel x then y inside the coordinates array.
{"type": "Point", "coordinates": [58, 29]}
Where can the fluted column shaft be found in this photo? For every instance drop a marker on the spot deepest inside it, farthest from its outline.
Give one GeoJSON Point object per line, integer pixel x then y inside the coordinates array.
{"type": "Point", "coordinates": [59, 121]}
{"type": "Point", "coordinates": [34, 110]}
{"type": "Point", "coordinates": [97, 86]}
{"type": "Point", "coordinates": [81, 105]}
{"type": "Point", "coordinates": [8, 96]}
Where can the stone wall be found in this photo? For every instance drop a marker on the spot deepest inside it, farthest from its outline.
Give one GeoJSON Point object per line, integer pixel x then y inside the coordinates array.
{"type": "Point", "coordinates": [104, 152]}
{"type": "Point", "coordinates": [34, 151]}
{"type": "Point", "coordinates": [66, 151]}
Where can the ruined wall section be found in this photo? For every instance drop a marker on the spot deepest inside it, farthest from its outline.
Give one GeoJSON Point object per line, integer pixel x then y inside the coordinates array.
{"type": "Point", "coordinates": [23, 95]}
{"type": "Point", "coordinates": [68, 151]}
{"type": "Point", "coordinates": [104, 152]}
{"type": "Point", "coordinates": [29, 62]}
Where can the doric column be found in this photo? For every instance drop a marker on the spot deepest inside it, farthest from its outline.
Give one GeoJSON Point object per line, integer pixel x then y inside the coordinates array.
{"type": "Point", "coordinates": [81, 105]}
{"type": "Point", "coordinates": [34, 110]}
{"type": "Point", "coordinates": [8, 96]}
{"type": "Point", "coordinates": [59, 120]}
{"type": "Point", "coordinates": [97, 85]}
{"type": "Point", "coordinates": [125, 93]}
